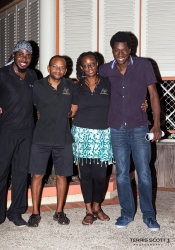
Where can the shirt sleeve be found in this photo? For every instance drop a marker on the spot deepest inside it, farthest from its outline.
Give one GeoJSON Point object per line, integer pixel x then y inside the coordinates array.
{"type": "Point", "coordinates": [149, 73]}
{"type": "Point", "coordinates": [34, 93]}
{"type": "Point", "coordinates": [109, 83]}
{"type": "Point", "coordinates": [75, 94]}
{"type": "Point", "coordinates": [102, 71]}
{"type": "Point", "coordinates": [1, 80]}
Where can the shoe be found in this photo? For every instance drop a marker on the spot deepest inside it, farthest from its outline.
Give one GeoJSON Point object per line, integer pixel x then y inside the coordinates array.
{"type": "Point", "coordinates": [123, 221]}
{"type": "Point", "coordinates": [34, 220]}
{"type": "Point", "coordinates": [152, 224]}
{"type": "Point", "coordinates": [61, 218]}
{"type": "Point", "coordinates": [89, 219]}
{"type": "Point", "coordinates": [101, 215]}
{"type": "Point", "coordinates": [19, 221]}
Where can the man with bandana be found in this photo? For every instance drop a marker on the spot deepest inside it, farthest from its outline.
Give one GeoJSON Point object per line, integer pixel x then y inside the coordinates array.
{"type": "Point", "coordinates": [16, 128]}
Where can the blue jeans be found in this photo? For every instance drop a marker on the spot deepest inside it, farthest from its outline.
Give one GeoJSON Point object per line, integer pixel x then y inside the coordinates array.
{"type": "Point", "coordinates": [125, 142]}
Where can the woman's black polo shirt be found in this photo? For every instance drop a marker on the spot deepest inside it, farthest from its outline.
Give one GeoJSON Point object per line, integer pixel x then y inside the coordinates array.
{"type": "Point", "coordinates": [53, 125]}
{"type": "Point", "coordinates": [92, 107]}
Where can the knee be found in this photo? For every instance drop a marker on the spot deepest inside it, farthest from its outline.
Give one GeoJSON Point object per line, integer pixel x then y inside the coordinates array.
{"type": "Point", "coordinates": [37, 177]}
{"type": "Point", "coordinates": [101, 178]}
{"type": "Point", "coordinates": [122, 177]}
{"type": "Point", "coordinates": [61, 178]}
{"type": "Point", "coordinates": [85, 175]}
{"type": "Point", "coordinates": [145, 179]}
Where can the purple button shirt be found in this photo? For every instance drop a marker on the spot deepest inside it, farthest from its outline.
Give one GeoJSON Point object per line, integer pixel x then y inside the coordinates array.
{"type": "Point", "coordinates": [128, 92]}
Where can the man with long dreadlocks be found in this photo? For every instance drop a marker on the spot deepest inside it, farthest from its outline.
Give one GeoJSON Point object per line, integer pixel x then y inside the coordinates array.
{"type": "Point", "coordinates": [16, 128]}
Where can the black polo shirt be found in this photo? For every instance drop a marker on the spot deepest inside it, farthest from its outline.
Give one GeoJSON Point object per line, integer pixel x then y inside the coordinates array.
{"type": "Point", "coordinates": [53, 105]}
{"type": "Point", "coordinates": [92, 107]}
{"type": "Point", "coordinates": [16, 103]}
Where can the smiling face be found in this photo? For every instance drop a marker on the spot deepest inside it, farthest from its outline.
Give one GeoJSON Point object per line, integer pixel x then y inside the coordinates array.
{"type": "Point", "coordinates": [89, 65]}
{"type": "Point", "coordinates": [121, 53]}
{"type": "Point", "coordinates": [57, 68]}
{"type": "Point", "coordinates": [22, 60]}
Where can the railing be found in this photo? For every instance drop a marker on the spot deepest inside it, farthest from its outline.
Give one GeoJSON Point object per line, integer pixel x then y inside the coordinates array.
{"type": "Point", "coordinates": [166, 90]}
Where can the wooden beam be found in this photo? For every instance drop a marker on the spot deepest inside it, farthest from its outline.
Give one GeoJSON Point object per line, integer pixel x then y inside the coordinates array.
{"type": "Point", "coordinates": [15, 2]}
{"type": "Point", "coordinates": [57, 27]}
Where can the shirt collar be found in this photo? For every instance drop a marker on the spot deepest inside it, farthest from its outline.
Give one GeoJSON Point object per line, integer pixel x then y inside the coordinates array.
{"type": "Point", "coordinates": [114, 62]}
{"type": "Point", "coordinates": [12, 72]}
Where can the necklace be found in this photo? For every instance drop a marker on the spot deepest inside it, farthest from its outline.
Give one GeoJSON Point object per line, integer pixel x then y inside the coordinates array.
{"type": "Point", "coordinates": [92, 88]}
{"type": "Point", "coordinates": [98, 79]}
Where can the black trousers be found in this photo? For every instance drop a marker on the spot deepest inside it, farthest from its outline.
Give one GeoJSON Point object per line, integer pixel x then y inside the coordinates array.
{"type": "Point", "coordinates": [14, 152]}
{"type": "Point", "coordinates": [93, 181]}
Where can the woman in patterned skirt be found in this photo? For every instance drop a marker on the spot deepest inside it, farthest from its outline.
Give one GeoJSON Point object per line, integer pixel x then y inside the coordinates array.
{"type": "Point", "coordinates": [92, 148]}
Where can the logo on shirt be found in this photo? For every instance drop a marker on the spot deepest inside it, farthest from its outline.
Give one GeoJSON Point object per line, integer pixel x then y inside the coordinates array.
{"type": "Point", "coordinates": [66, 91]}
{"type": "Point", "coordinates": [104, 92]}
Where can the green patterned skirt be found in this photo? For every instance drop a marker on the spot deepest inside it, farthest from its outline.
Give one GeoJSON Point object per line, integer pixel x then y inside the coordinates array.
{"type": "Point", "coordinates": [92, 144]}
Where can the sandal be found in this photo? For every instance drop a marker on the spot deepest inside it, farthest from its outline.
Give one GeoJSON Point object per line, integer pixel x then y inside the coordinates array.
{"type": "Point", "coordinates": [34, 220]}
{"type": "Point", "coordinates": [88, 219]}
{"type": "Point", "coordinates": [101, 215]}
{"type": "Point", "coordinates": [61, 218]}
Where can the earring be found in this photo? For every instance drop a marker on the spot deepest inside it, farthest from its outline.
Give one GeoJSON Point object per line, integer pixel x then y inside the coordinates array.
{"type": "Point", "coordinates": [83, 75]}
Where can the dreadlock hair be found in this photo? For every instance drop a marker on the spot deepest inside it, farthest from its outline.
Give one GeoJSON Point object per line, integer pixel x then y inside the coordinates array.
{"type": "Point", "coordinates": [57, 56]}
{"type": "Point", "coordinates": [80, 73]}
{"type": "Point", "coordinates": [121, 36]}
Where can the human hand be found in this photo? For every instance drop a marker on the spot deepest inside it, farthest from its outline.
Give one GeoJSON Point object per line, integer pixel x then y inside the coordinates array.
{"type": "Point", "coordinates": [70, 114]}
{"type": "Point", "coordinates": [157, 133]}
{"type": "Point", "coordinates": [0, 110]}
{"type": "Point", "coordinates": [38, 114]}
{"type": "Point", "coordinates": [144, 106]}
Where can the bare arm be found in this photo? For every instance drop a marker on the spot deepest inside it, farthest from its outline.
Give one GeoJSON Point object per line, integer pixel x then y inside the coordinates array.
{"type": "Point", "coordinates": [73, 111]}
{"type": "Point", "coordinates": [155, 105]}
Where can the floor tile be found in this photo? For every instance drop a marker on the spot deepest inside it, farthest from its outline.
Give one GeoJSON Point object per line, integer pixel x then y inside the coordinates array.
{"type": "Point", "coordinates": [44, 208]}
{"type": "Point", "coordinates": [52, 206]}
{"type": "Point", "coordinates": [107, 202]}
{"type": "Point", "coordinates": [81, 203]}
{"type": "Point", "coordinates": [75, 205]}
{"type": "Point", "coordinates": [67, 206]}
{"type": "Point", "coordinates": [115, 200]}
{"type": "Point", "coordinates": [71, 205]}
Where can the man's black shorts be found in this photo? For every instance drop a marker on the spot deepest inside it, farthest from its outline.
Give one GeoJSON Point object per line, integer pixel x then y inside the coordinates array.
{"type": "Point", "coordinates": [61, 154]}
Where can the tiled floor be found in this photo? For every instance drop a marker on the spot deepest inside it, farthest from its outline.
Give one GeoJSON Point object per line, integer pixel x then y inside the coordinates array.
{"type": "Point", "coordinates": [71, 205]}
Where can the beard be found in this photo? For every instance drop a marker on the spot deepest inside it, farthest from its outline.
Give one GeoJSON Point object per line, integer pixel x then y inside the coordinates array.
{"type": "Point", "coordinates": [58, 78]}
{"type": "Point", "coordinates": [21, 70]}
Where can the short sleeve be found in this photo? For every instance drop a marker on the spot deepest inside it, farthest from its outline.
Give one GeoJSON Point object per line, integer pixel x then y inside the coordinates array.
{"type": "Point", "coordinates": [0, 83]}
{"type": "Point", "coordinates": [34, 93]}
{"type": "Point", "coordinates": [75, 94]}
{"type": "Point", "coordinates": [102, 70]}
{"type": "Point", "coordinates": [149, 73]}
{"type": "Point", "coordinates": [109, 86]}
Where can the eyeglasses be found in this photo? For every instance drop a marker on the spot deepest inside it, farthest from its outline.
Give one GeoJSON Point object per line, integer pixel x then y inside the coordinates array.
{"type": "Point", "coordinates": [91, 65]}
{"type": "Point", "coordinates": [61, 68]}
